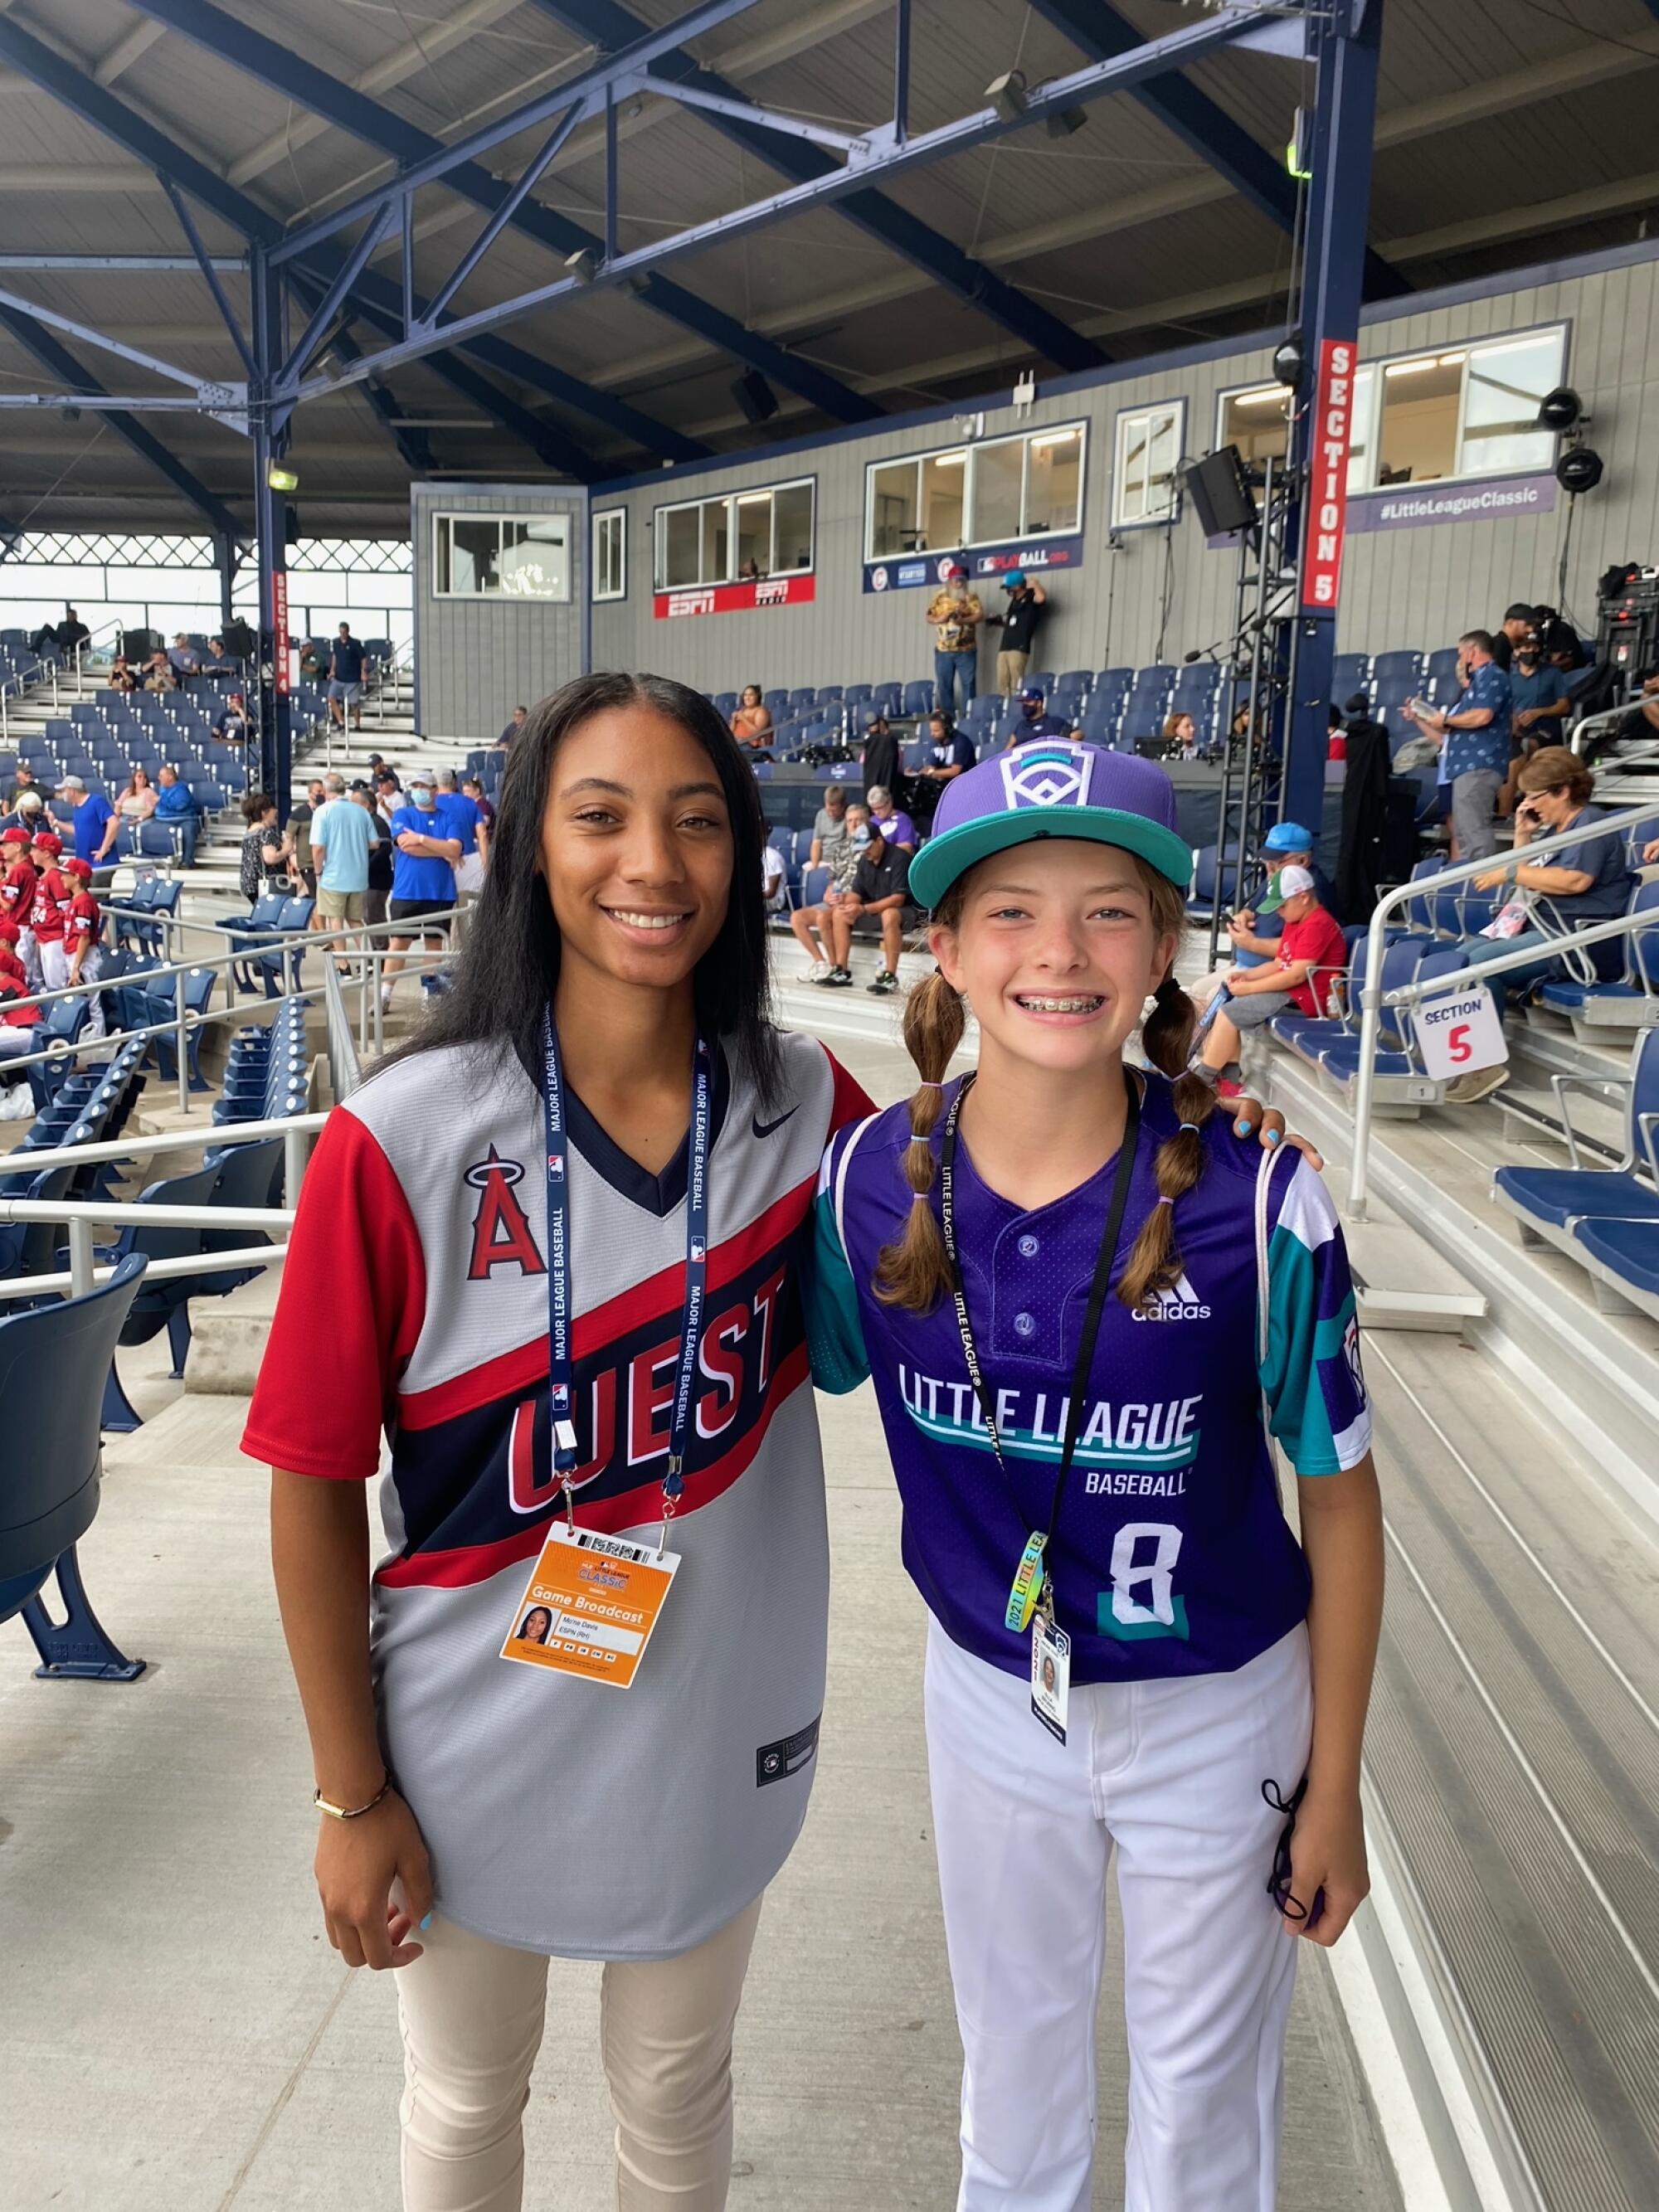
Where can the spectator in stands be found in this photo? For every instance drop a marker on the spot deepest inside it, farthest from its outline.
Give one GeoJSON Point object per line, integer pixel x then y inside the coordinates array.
{"type": "Point", "coordinates": [472, 788]}
{"type": "Point", "coordinates": [1474, 739]}
{"type": "Point", "coordinates": [520, 716]}
{"type": "Point", "coordinates": [811, 924]}
{"type": "Point", "coordinates": [159, 674]}
{"type": "Point", "coordinates": [772, 871]}
{"type": "Point", "coordinates": [950, 752]}
{"type": "Point", "coordinates": [84, 924]}
{"type": "Point", "coordinates": [93, 820]}
{"type": "Point", "coordinates": [1019, 623]}
{"type": "Point", "coordinates": [380, 855]}
{"type": "Point", "coordinates": [423, 875]}
{"type": "Point", "coordinates": [345, 679]}
{"type": "Point", "coordinates": [1180, 736]}
{"type": "Point", "coordinates": [60, 642]}
{"type": "Point", "coordinates": [894, 828]}
{"type": "Point", "coordinates": [880, 886]}
{"type": "Point", "coordinates": [266, 853]}
{"type": "Point", "coordinates": [388, 796]}
{"type": "Point", "coordinates": [461, 819]}
{"type": "Point", "coordinates": [1286, 845]}
{"type": "Point", "coordinates": [122, 678]}
{"type": "Point", "coordinates": [23, 778]}
{"type": "Point", "coordinates": [1542, 705]}
{"type": "Point", "coordinates": [1035, 721]}
{"type": "Point", "coordinates": [751, 720]}
{"type": "Point", "coordinates": [830, 826]}
{"type": "Point", "coordinates": [954, 616]}
{"type": "Point", "coordinates": [343, 837]}
{"type": "Point", "coordinates": [1311, 951]}
{"type": "Point", "coordinates": [314, 661]}
{"type": "Point", "coordinates": [176, 808]}
{"type": "Point", "coordinates": [232, 727]}
{"type": "Point", "coordinates": [135, 801]}
{"type": "Point", "coordinates": [27, 813]}
{"type": "Point", "coordinates": [1582, 883]}
{"type": "Point", "coordinates": [881, 753]}
{"type": "Point", "coordinates": [183, 658]}
{"type": "Point", "coordinates": [216, 661]}
{"type": "Point", "coordinates": [1517, 622]}
{"type": "Point", "coordinates": [1372, 825]}
{"type": "Point", "coordinates": [299, 831]}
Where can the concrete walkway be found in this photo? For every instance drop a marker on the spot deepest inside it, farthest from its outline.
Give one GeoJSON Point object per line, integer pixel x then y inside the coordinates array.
{"type": "Point", "coordinates": [179, 2037]}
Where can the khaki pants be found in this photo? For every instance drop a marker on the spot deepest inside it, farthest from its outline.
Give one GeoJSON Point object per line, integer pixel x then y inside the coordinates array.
{"type": "Point", "coordinates": [472, 2014]}
{"type": "Point", "coordinates": [1011, 671]}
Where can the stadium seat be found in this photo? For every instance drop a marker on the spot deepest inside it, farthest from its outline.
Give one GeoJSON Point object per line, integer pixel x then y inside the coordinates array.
{"type": "Point", "coordinates": [1442, 665]}
{"type": "Point", "coordinates": [1398, 668]}
{"type": "Point", "coordinates": [53, 1360]}
{"type": "Point", "coordinates": [1631, 1000]}
{"type": "Point", "coordinates": [918, 697]}
{"type": "Point", "coordinates": [1350, 673]}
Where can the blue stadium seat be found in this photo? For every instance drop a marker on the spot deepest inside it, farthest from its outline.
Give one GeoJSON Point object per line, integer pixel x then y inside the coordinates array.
{"type": "Point", "coordinates": [1350, 673]}
{"type": "Point", "coordinates": [1390, 669]}
{"type": "Point", "coordinates": [918, 696]}
{"type": "Point", "coordinates": [1443, 665]}
{"type": "Point", "coordinates": [1631, 1000]}
{"type": "Point", "coordinates": [53, 1360]}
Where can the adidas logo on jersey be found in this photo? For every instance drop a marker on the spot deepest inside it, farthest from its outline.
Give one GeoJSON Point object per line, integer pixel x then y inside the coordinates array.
{"type": "Point", "coordinates": [1181, 1303]}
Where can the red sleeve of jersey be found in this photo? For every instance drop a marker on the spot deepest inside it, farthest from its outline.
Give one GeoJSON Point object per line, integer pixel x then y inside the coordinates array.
{"type": "Point", "coordinates": [348, 1315]}
{"type": "Point", "coordinates": [849, 1102]}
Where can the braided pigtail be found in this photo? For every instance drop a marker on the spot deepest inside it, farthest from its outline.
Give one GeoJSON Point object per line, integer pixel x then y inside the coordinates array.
{"type": "Point", "coordinates": [1154, 1263]}
{"type": "Point", "coordinates": [915, 1272]}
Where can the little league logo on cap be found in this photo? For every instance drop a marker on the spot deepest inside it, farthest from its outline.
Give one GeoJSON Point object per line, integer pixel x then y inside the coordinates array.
{"type": "Point", "coordinates": [1052, 788]}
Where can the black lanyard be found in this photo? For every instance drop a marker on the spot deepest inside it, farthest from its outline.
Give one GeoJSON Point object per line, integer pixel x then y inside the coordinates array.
{"type": "Point", "coordinates": [1030, 1580]}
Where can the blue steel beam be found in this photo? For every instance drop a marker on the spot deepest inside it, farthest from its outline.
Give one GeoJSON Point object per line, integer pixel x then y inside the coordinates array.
{"type": "Point", "coordinates": [324, 95]}
{"type": "Point", "coordinates": [613, 28]}
{"type": "Point", "coordinates": [1099, 31]}
{"type": "Point", "coordinates": [94, 105]}
{"type": "Point", "coordinates": [105, 264]}
{"type": "Point", "coordinates": [210, 273]}
{"type": "Point", "coordinates": [53, 354]}
{"type": "Point", "coordinates": [208, 392]}
{"type": "Point", "coordinates": [1096, 79]}
{"type": "Point", "coordinates": [413, 447]}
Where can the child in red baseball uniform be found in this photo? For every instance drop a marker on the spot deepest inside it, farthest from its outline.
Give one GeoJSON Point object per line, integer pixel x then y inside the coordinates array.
{"type": "Point", "coordinates": [82, 928]}
{"type": "Point", "coordinates": [17, 1023]}
{"type": "Point", "coordinates": [52, 893]}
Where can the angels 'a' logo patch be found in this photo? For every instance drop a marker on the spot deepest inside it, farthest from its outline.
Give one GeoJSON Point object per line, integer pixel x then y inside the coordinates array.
{"type": "Point", "coordinates": [1045, 775]}
{"type": "Point", "coordinates": [501, 1235]}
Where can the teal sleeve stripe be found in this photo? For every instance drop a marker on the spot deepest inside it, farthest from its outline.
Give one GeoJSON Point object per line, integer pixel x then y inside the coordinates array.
{"type": "Point", "coordinates": [1310, 1379]}
{"type": "Point", "coordinates": [835, 1335]}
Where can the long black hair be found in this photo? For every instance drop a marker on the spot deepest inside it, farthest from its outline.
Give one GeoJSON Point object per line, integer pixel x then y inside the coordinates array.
{"type": "Point", "coordinates": [509, 969]}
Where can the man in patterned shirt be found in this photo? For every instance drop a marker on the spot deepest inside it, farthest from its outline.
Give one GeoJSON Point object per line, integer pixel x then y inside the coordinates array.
{"type": "Point", "coordinates": [1476, 737]}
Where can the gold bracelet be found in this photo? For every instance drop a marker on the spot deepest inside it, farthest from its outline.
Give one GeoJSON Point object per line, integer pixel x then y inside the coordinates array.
{"type": "Point", "coordinates": [350, 1812]}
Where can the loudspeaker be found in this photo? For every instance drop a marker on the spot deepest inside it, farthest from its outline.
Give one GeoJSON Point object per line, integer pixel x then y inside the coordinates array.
{"type": "Point", "coordinates": [756, 397]}
{"type": "Point", "coordinates": [1221, 493]}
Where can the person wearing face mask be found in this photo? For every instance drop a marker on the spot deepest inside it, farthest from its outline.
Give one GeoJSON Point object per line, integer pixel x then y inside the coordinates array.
{"type": "Point", "coordinates": [423, 874]}
{"type": "Point", "coordinates": [811, 924]}
{"type": "Point", "coordinates": [1542, 705]}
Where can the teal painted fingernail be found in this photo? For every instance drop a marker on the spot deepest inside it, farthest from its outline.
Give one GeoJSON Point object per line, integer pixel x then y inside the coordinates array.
{"type": "Point", "coordinates": [1272, 1136]}
{"type": "Point", "coordinates": [1245, 1128]}
{"type": "Point", "coordinates": [425, 1924]}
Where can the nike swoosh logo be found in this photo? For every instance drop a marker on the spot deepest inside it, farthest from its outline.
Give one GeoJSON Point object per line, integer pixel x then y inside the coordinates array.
{"type": "Point", "coordinates": [765, 1128]}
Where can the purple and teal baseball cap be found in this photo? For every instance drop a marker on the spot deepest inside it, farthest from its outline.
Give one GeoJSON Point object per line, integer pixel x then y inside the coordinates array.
{"type": "Point", "coordinates": [1051, 788]}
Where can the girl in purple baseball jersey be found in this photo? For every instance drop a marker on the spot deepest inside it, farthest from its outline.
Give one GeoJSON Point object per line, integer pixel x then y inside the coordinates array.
{"type": "Point", "coordinates": [1078, 1302]}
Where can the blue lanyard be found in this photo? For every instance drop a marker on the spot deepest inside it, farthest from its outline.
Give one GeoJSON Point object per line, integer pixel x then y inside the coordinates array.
{"type": "Point", "coordinates": [561, 1365]}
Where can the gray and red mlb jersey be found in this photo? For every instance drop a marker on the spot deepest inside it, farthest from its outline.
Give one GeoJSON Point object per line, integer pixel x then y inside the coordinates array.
{"type": "Point", "coordinates": [1171, 1555]}
{"type": "Point", "coordinates": [562, 1816]}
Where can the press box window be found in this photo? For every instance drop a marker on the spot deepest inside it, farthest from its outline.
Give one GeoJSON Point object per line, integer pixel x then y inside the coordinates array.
{"type": "Point", "coordinates": [500, 556]}
{"type": "Point", "coordinates": [1144, 487]}
{"type": "Point", "coordinates": [737, 537]}
{"type": "Point", "coordinates": [611, 554]}
{"type": "Point", "coordinates": [988, 493]}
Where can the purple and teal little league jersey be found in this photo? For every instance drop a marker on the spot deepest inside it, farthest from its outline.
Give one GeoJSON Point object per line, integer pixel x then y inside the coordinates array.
{"type": "Point", "coordinates": [1171, 1555]}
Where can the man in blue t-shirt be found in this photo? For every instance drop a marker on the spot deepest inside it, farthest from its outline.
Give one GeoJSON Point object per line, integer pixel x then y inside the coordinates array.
{"type": "Point", "coordinates": [461, 819]}
{"type": "Point", "coordinates": [1475, 742]}
{"type": "Point", "coordinates": [342, 836]}
{"type": "Point", "coordinates": [176, 809]}
{"type": "Point", "coordinates": [93, 820]}
{"type": "Point", "coordinates": [345, 679]}
{"type": "Point", "coordinates": [1034, 721]}
{"type": "Point", "coordinates": [423, 874]}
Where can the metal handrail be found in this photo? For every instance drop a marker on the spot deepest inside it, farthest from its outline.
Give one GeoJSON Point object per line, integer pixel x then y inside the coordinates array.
{"type": "Point", "coordinates": [1371, 1000]}
{"type": "Point", "coordinates": [171, 1141]}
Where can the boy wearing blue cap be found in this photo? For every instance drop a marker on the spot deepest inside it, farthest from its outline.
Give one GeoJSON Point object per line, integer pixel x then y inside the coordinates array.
{"type": "Point", "coordinates": [1084, 1312]}
{"type": "Point", "coordinates": [1018, 622]}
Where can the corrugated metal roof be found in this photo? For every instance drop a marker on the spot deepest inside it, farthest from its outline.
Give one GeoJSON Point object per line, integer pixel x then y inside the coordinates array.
{"type": "Point", "coordinates": [1124, 230]}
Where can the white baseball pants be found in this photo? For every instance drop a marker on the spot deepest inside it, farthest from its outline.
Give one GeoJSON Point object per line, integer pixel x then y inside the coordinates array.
{"type": "Point", "coordinates": [1168, 1773]}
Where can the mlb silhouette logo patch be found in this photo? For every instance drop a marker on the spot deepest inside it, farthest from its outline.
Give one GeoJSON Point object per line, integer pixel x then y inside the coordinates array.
{"type": "Point", "coordinates": [560, 1397]}
{"type": "Point", "coordinates": [1045, 775]}
{"type": "Point", "coordinates": [556, 1166]}
{"type": "Point", "coordinates": [699, 1251]}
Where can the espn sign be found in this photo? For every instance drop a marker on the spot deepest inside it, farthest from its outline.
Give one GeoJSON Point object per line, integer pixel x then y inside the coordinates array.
{"type": "Point", "coordinates": [735, 599]}
{"type": "Point", "coordinates": [1327, 476]}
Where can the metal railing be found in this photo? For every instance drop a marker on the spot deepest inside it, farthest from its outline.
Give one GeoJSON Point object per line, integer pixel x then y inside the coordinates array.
{"type": "Point", "coordinates": [80, 1216]}
{"type": "Point", "coordinates": [1373, 1000]}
